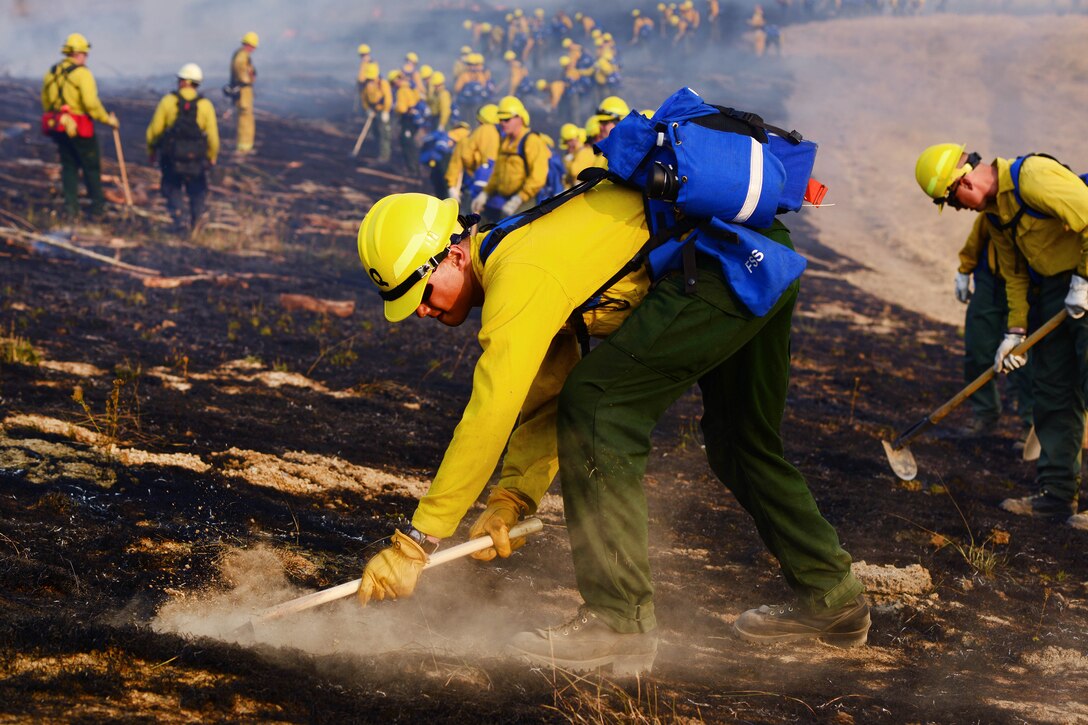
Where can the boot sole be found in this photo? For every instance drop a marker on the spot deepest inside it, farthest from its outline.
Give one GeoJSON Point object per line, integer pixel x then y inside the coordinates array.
{"type": "Point", "coordinates": [835, 639]}
{"type": "Point", "coordinates": [622, 665]}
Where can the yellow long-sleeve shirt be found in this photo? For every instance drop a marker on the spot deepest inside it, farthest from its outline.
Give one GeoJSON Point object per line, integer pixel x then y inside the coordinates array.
{"type": "Point", "coordinates": [530, 289]}
{"type": "Point", "coordinates": [518, 174]}
{"type": "Point", "coordinates": [581, 160]}
{"type": "Point", "coordinates": [1052, 245]}
{"type": "Point", "coordinates": [484, 142]}
{"type": "Point", "coordinates": [404, 98]}
{"type": "Point", "coordinates": [377, 95]}
{"type": "Point", "coordinates": [980, 235]}
{"type": "Point", "coordinates": [242, 72]}
{"type": "Point", "coordinates": [68, 84]}
{"type": "Point", "coordinates": [440, 105]}
{"type": "Point", "coordinates": [166, 114]}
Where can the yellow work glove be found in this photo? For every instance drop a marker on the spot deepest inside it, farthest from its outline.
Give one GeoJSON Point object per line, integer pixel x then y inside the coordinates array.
{"type": "Point", "coordinates": [113, 121]}
{"type": "Point", "coordinates": [393, 571]}
{"type": "Point", "coordinates": [504, 509]}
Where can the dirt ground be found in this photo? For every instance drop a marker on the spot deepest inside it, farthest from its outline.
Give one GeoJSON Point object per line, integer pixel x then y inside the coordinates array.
{"type": "Point", "coordinates": [181, 449]}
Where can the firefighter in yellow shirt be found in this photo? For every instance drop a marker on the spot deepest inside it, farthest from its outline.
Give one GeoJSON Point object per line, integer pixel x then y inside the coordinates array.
{"type": "Point", "coordinates": [377, 98]}
{"type": "Point", "coordinates": [406, 117]}
{"type": "Point", "coordinates": [184, 136]}
{"type": "Point", "coordinates": [70, 105]}
{"type": "Point", "coordinates": [578, 156]}
{"type": "Point", "coordinates": [474, 159]}
{"type": "Point", "coordinates": [242, 77]}
{"type": "Point", "coordinates": [1038, 214]}
{"type": "Point", "coordinates": [520, 169]}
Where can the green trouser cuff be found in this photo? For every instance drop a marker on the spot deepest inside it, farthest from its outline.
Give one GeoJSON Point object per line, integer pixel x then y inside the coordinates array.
{"type": "Point", "coordinates": [843, 593]}
{"type": "Point", "coordinates": [634, 621]}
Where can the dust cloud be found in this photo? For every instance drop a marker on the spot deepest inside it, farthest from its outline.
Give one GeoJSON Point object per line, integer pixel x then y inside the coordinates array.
{"type": "Point", "coordinates": [452, 614]}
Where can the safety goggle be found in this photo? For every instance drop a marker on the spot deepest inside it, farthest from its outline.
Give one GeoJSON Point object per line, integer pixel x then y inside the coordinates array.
{"type": "Point", "coordinates": [973, 160]}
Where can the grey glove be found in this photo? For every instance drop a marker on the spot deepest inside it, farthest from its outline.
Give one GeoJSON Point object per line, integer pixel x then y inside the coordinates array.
{"type": "Point", "coordinates": [479, 202]}
{"type": "Point", "coordinates": [1076, 302]}
{"type": "Point", "coordinates": [511, 206]}
{"type": "Point", "coordinates": [454, 193]}
{"type": "Point", "coordinates": [1004, 360]}
{"type": "Point", "coordinates": [963, 287]}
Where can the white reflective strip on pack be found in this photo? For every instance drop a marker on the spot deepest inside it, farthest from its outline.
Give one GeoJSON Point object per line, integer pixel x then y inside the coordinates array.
{"type": "Point", "coordinates": [660, 138]}
{"type": "Point", "coordinates": [755, 183]}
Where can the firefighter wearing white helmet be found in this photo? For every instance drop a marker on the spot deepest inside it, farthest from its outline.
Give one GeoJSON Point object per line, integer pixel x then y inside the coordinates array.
{"type": "Point", "coordinates": [520, 169]}
{"type": "Point", "coordinates": [242, 77]}
{"type": "Point", "coordinates": [70, 105]}
{"type": "Point", "coordinates": [183, 137]}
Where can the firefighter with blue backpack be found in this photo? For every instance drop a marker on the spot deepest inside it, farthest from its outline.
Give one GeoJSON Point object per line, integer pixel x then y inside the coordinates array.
{"type": "Point", "coordinates": [70, 106]}
{"type": "Point", "coordinates": [521, 168]}
{"type": "Point", "coordinates": [1038, 210]}
{"type": "Point", "coordinates": [183, 137]}
{"type": "Point", "coordinates": [577, 263]}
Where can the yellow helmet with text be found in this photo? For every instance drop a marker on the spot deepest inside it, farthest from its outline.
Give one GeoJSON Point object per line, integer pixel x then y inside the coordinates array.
{"type": "Point", "coordinates": [936, 169]}
{"type": "Point", "coordinates": [75, 43]}
{"type": "Point", "coordinates": [402, 239]}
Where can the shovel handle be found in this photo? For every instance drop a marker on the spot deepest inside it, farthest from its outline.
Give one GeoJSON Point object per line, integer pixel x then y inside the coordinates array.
{"type": "Point", "coordinates": [523, 528]}
{"type": "Point", "coordinates": [121, 164]}
{"type": "Point", "coordinates": [940, 413]}
{"type": "Point", "coordinates": [362, 134]}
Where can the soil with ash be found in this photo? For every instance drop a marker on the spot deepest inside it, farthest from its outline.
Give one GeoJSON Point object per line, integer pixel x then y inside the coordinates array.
{"type": "Point", "coordinates": [159, 429]}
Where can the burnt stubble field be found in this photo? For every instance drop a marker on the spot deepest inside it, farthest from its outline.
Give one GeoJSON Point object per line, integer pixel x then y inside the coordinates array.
{"type": "Point", "coordinates": [240, 395]}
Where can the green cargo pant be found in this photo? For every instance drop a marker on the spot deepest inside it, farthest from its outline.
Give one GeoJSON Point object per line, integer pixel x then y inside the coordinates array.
{"type": "Point", "coordinates": [608, 409]}
{"type": "Point", "coordinates": [1061, 390]}
{"type": "Point", "coordinates": [983, 330]}
{"type": "Point", "coordinates": [78, 154]}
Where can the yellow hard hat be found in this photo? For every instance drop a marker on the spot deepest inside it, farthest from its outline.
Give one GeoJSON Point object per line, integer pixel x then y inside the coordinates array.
{"type": "Point", "coordinates": [648, 112]}
{"type": "Point", "coordinates": [467, 25]}
{"type": "Point", "coordinates": [509, 55]}
{"type": "Point", "coordinates": [488, 113]}
{"type": "Point", "coordinates": [396, 74]}
{"type": "Point", "coordinates": [593, 126]}
{"type": "Point", "coordinates": [475, 59]}
{"type": "Point", "coordinates": [425, 72]}
{"type": "Point", "coordinates": [364, 49]}
{"type": "Point", "coordinates": [401, 240]}
{"type": "Point", "coordinates": [438, 78]}
{"type": "Point", "coordinates": [251, 39]}
{"type": "Point", "coordinates": [607, 37]}
{"type": "Point", "coordinates": [568, 132]}
{"type": "Point", "coordinates": [508, 17]}
{"type": "Point", "coordinates": [614, 108]}
{"type": "Point", "coordinates": [511, 106]}
{"type": "Point", "coordinates": [567, 42]}
{"type": "Point", "coordinates": [595, 33]}
{"type": "Point", "coordinates": [466, 49]}
{"type": "Point", "coordinates": [936, 169]}
{"type": "Point", "coordinates": [541, 84]}
{"type": "Point", "coordinates": [635, 13]}
{"type": "Point", "coordinates": [75, 43]}
{"type": "Point", "coordinates": [411, 57]}
{"type": "Point", "coordinates": [518, 13]}
{"type": "Point", "coordinates": [674, 20]}
{"type": "Point", "coordinates": [564, 60]}
{"type": "Point", "coordinates": [485, 27]}
{"type": "Point", "coordinates": [661, 7]}
{"type": "Point", "coordinates": [371, 71]}
{"type": "Point", "coordinates": [539, 12]}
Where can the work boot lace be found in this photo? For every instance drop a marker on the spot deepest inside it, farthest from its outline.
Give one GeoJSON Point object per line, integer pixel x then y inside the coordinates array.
{"type": "Point", "coordinates": [779, 610]}
{"type": "Point", "coordinates": [579, 620]}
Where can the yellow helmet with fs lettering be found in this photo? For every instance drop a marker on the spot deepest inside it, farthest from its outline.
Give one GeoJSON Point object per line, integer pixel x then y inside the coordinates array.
{"type": "Point", "coordinates": [936, 169]}
{"type": "Point", "coordinates": [75, 43]}
{"type": "Point", "coordinates": [511, 106]}
{"type": "Point", "coordinates": [402, 239]}
{"type": "Point", "coordinates": [251, 39]}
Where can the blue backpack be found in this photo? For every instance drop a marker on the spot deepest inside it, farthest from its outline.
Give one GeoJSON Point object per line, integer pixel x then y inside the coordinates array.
{"type": "Point", "coordinates": [436, 149]}
{"type": "Point", "coordinates": [554, 183]}
{"type": "Point", "coordinates": [712, 177]}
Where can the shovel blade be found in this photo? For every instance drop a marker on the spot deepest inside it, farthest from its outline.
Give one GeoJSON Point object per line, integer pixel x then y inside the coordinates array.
{"type": "Point", "coordinates": [901, 460]}
{"type": "Point", "coordinates": [1032, 448]}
